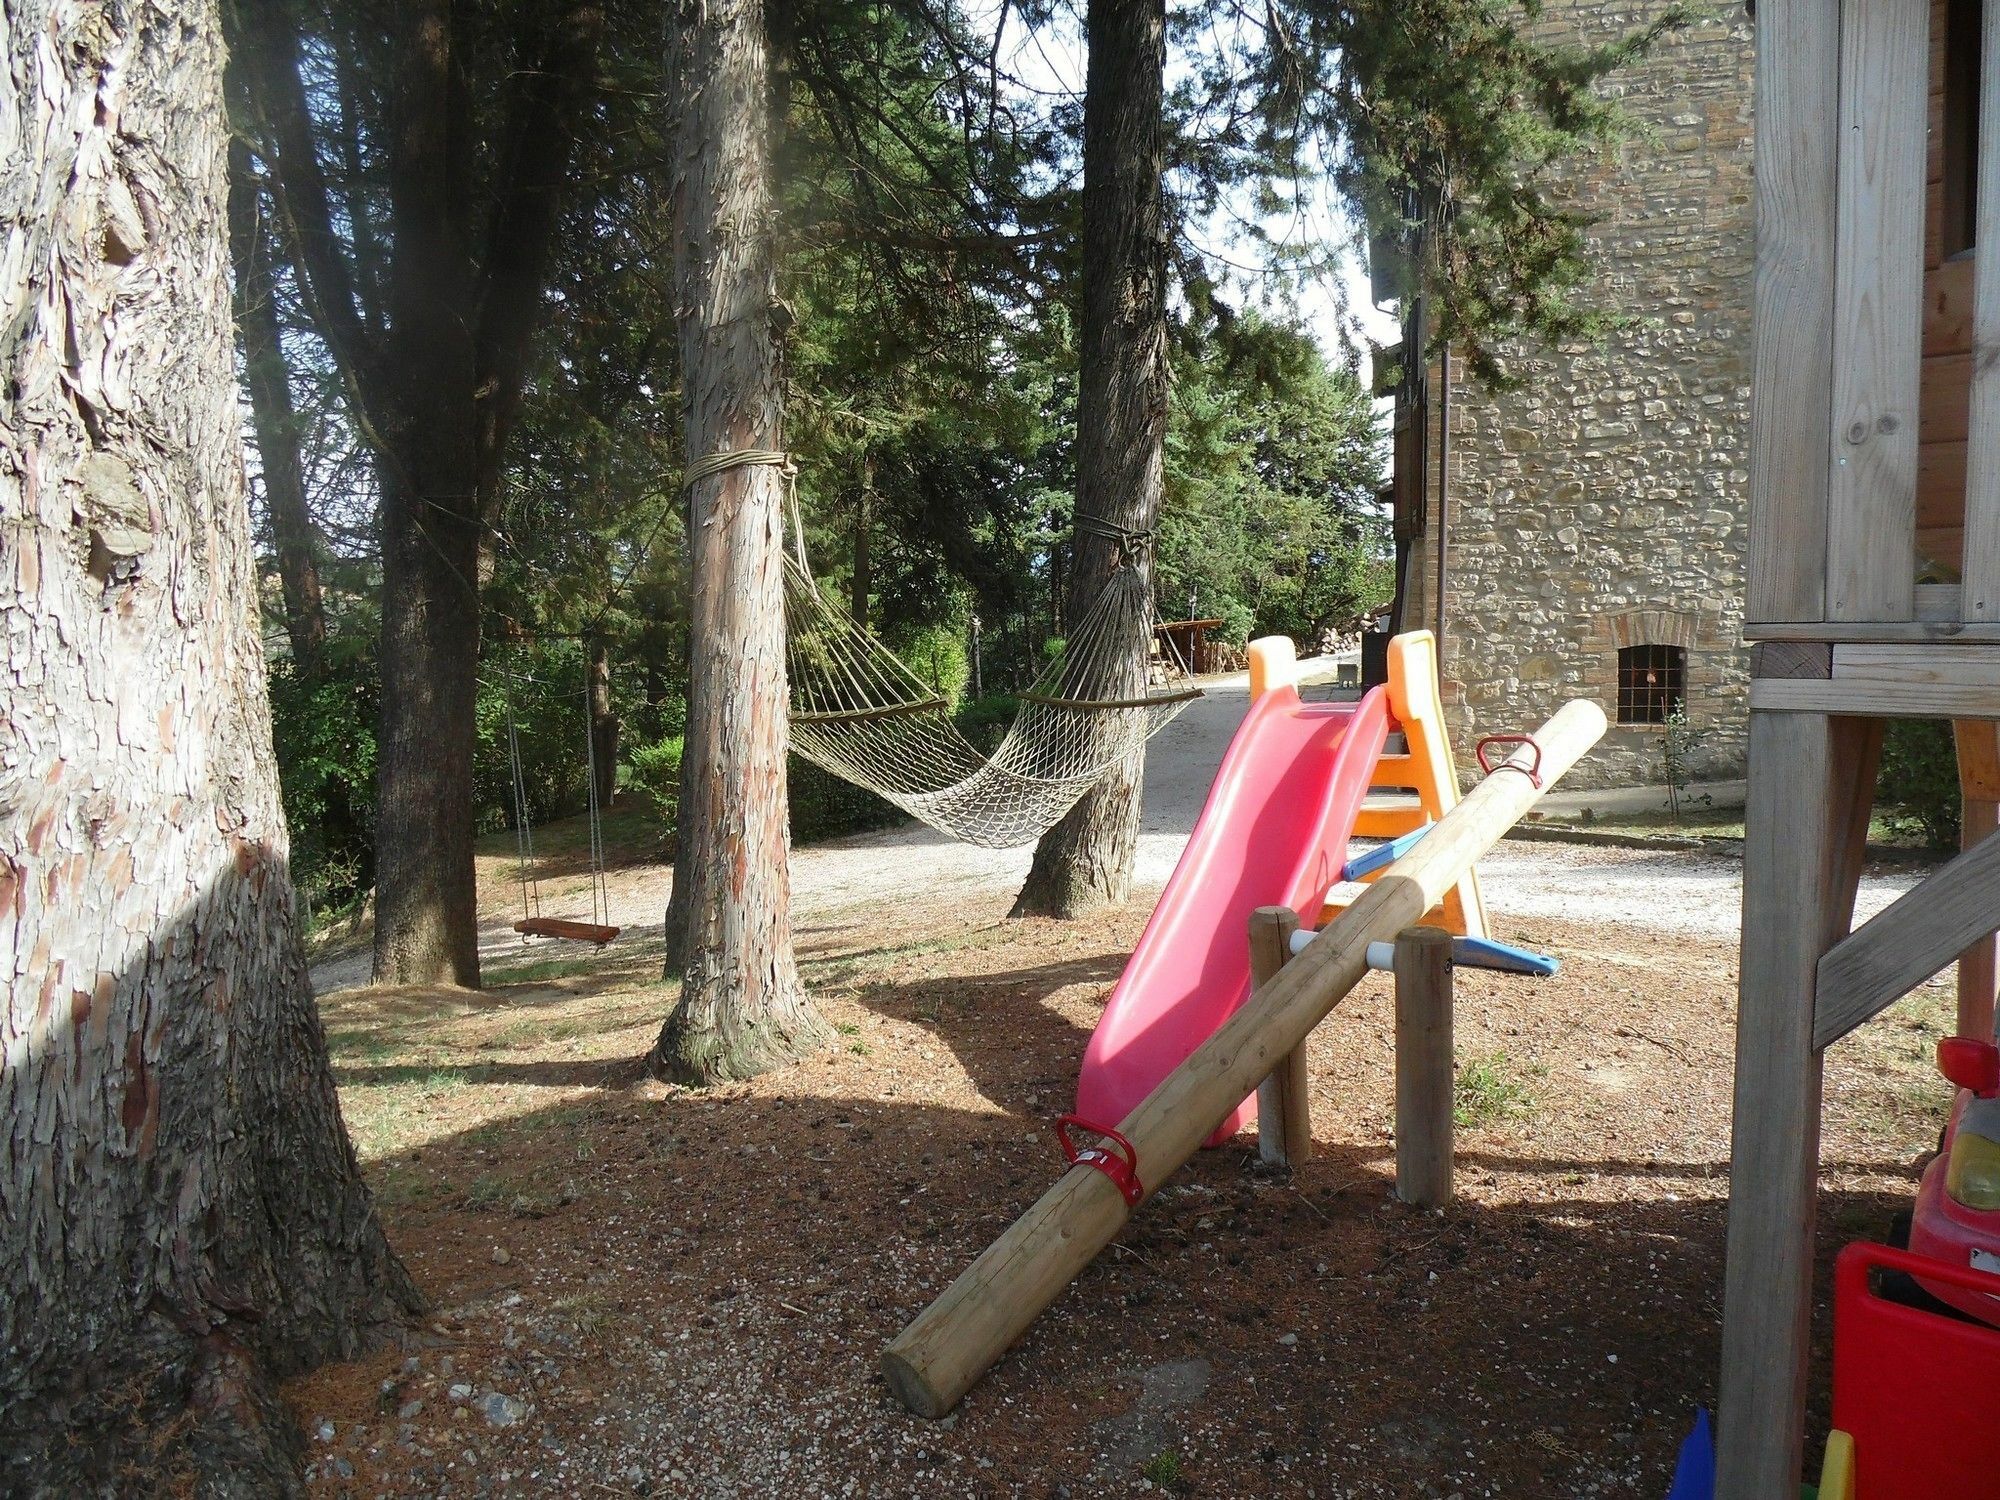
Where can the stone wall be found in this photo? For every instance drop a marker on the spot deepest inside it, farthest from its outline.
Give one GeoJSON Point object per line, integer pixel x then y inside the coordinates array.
{"type": "Point", "coordinates": [1605, 502]}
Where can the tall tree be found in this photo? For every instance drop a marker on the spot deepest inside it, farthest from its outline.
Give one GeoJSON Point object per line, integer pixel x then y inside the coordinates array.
{"type": "Point", "coordinates": [742, 1009]}
{"type": "Point", "coordinates": [182, 1221]}
{"type": "Point", "coordinates": [273, 418]}
{"type": "Point", "coordinates": [1086, 860]}
{"type": "Point", "coordinates": [430, 319]}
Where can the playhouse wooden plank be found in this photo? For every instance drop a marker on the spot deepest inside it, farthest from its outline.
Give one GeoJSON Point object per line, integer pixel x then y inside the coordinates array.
{"type": "Point", "coordinates": [1878, 312]}
{"type": "Point", "coordinates": [1798, 73]}
{"type": "Point", "coordinates": [1808, 775]}
{"type": "Point", "coordinates": [1942, 663]}
{"type": "Point", "coordinates": [1906, 943]}
{"type": "Point", "coordinates": [1922, 700]}
{"type": "Point", "coordinates": [1980, 555]}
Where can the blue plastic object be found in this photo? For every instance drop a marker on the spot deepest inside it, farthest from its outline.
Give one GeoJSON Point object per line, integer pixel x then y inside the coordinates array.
{"type": "Point", "coordinates": [1484, 953]}
{"type": "Point", "coordinates": [1383, 855]}
{"type": "Point", "coordinates": [1694, 1474]}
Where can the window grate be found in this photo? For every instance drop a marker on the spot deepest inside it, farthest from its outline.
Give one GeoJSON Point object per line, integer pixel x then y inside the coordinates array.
{"type": "Point", "coordinates": [1652, 683]}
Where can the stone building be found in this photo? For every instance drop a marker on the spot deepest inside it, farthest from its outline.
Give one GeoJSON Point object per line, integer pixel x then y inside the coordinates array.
{"type": "Point", "coordinates": [1597, 515]}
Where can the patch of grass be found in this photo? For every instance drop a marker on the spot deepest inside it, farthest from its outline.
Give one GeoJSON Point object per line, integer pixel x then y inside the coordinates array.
{"type": "Point", "coordinates": [587, 1312]}
{"type": "Point", "coordinates": [1492, 1088]}
{"type": "Point", "coordinates": [847, 1028]}
{"type": "Point", "coordinates": [542, 970]}
{"type": "Point", "coordinates": [859, 1049]}
{"type": "Point", "coordinates": [1163, 1469]}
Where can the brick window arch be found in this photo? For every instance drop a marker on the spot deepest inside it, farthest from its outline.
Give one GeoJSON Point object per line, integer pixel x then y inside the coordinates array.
{"type": "Point", "coordinates": [1643, 664]}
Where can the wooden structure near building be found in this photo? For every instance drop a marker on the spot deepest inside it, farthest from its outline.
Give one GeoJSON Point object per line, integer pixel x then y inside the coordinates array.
{"type": "Point", "coordinates": [1874, 593]}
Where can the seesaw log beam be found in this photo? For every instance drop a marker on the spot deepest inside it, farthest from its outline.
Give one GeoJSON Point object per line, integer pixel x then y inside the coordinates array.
{"type": "Point", "coordinates": [933, 1362]}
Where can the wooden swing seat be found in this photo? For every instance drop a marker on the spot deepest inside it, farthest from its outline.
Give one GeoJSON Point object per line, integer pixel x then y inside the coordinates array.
{"type": "Point", "coordinates": [557, 927]}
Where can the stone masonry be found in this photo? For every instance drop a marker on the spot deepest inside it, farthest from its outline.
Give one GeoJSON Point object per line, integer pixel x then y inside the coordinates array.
{"type": "Point", "coordinates": [1605, 502]}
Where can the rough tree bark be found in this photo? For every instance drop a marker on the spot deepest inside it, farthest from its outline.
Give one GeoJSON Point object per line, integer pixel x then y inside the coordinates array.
{"type": "Point", "coordinates": [742, 1009]}
{"type": "Point", "coordinates": [435, 377]}
{"type": "Point", "coordinates": [1085, 861]}
{"type": "Point", "coordinates": [272, 417]}
{"type": "Point", "coordinates": [182, 1221]}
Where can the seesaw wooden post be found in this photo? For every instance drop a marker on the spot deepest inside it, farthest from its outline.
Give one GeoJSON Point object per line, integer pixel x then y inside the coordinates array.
{"type": "Point", "coordinates": [1423, 1067]}
{"type": "Point", "coordinates": [936, 1359]}
{"type": "Point", "coordinates": [1284, 1105]}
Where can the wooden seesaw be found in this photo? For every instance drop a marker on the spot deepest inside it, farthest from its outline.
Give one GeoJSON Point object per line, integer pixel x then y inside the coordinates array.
{"type": "Point", "coordinates": [933, 1362]}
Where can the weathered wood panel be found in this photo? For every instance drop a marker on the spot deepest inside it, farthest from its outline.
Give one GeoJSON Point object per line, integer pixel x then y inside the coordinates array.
{"type": "Point", "coordinates": [1797, 125]}
{"type": "Point", "coordinates": [1878, 311]}
{"type": "Point", "coordinates": [1981, 552]}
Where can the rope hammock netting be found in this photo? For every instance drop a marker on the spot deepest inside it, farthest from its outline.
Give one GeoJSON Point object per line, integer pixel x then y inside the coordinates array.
{"type": "Point", "coordinates": [860, 713]}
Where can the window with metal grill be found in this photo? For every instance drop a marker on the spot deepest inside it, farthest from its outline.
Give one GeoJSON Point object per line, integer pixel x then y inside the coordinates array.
{"type": "Point", "coordinates": [1652, 683]}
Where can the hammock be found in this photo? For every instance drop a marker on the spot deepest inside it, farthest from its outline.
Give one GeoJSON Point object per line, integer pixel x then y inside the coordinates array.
{"type": "Point", "coordinates": [860, 713]}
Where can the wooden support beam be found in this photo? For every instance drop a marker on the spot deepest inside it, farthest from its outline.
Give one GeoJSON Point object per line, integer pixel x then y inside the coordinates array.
{"type": "Point", "coordinates": [1980, 556]}
{"type": "Point", "coordinates": [1423, 1067]}
{"type": "Point", "coordinates": [1811, 659]}
{"type": "Point", "coordinates": [936, 1359]}
{"type": "Point", "coordinates": [1811, 779]}
{"type": "Point", "coordinates": [1978, 742]}
{"type": "Point", "coordinates": [1284, 1100]}
{"type": "Point", "coordinates": [1901, 946]}
{"type": "Point", "coordinates": [1868, 698]}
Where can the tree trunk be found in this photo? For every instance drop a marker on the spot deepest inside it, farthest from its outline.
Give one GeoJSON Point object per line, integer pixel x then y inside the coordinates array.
{"type": "Point", "coordinates": [267, 378]}
{"type": "Point", "coordinates": [603, 728]}
{"type": "Point", "coordinates": [1085, 861]}
{"type": "Point", "coordinates": [182, 1220]}
{"type": "Point", "coordinates": [434, 382]}
{"type": "Point", "coordinates": [742, 1009]}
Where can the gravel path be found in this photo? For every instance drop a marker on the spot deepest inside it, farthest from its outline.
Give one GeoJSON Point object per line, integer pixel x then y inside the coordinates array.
{"type": "Point", "coordinates": [1673, 892]}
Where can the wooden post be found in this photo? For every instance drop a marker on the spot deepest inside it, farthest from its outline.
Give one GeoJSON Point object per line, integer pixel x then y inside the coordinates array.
{"type": "Point", "coordinates": [1811, 783]}
{"type": "Point", "coordinates": [1978, 743]}
{"type": "Point", "coordinates": [1284, 1106]}
{"type": "Point", "coordinates": [934, 1361]}
{"type": "Point", "coordinates": [1423, 1067]}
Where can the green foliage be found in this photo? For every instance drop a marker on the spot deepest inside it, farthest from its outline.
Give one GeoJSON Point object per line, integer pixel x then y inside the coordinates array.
{"type": "Point", "coordinates": [824, 807]}
{"type": "Point", "coordinates": [655, 769]}
{"type": "Point", "coordinates": [1162, 1469]}
{"type": "Point", "coordinates": [937, 654]}
{"type": "Point", "coordinates": [1491, 1088]}
{"type": "Point", "coordinates": [984, 721]}
{"type": "Point", "coordinates": [543, 683]}
{"type": "Point", "coordinates": [1269, 521]}
{"type": "Point", "coordinates": [1677, 747]}
{"type": "Point", "coordinates": [323, 729]}
{"type": "Point", "coordinates": [1917, 790]}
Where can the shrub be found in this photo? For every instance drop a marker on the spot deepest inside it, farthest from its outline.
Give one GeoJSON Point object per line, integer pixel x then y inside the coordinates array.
{"type": "Point", "coordinates": [323, 730]}
{"type": "Point", "coordinates": [1917, 790]}
{"type": "Point", "coordinates": [937, 655]}
{"type": "Point", "coordinates": [984, 721]}
{"type": "Point", "coordinates": [655, 769]}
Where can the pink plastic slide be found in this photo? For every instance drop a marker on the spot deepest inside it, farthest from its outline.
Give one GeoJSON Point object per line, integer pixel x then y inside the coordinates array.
{"type": "Point", "coordinates": [1273, 832]}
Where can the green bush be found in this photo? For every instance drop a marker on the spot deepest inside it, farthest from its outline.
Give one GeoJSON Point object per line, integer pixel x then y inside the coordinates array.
{"type": "Point", "coordinates": [985, 721]}
{"type": "Point", "coordinates": [544, 684]}
{"type": "Point", "coordinates": [655, 769]}
{"type": "Point", "coordinates": [1917, 790]}
{"type": "Point", "coordinates": [1237, 620]}
{"type": "Point", "coordinates": [825, 807]}
{"type": "Point", "coordinates": [323, 729]}
{"type": "Point", "coordinates": [937, 655]}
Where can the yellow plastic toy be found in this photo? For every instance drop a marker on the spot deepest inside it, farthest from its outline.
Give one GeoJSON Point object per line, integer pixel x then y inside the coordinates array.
{"type": "Point", "coordinates": [1425, 768]}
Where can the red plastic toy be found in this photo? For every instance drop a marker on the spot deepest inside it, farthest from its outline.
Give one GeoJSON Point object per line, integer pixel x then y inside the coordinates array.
{"type": "Point", "coordinates": [1913, 1387]}
{"type": "Point", "coordinates": [1956, 1219]}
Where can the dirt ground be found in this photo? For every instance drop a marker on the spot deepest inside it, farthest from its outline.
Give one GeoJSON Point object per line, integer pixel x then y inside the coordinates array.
{"type": "Point", "coordinates": [647, 1290]}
